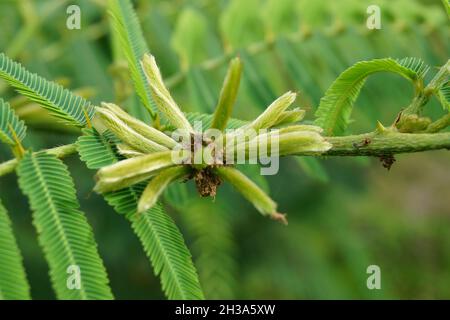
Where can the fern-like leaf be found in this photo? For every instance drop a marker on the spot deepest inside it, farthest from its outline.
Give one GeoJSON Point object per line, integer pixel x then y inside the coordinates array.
{"type": "Point", "coordinates": [11, 128]}
{"type": "Point", "coordinates": [64, 233]}
{"type": "Point", "coordinates": [59, 101]}
{"type": "Point", "coordinates": [160, 237]}
{"type": "Point", "coordinates": [214, 247]}
{"type": "Point", "coordinates": [13, 281]}
{"type": "Point", "coordinates": [313, 168]}
{"type": "Point", "coordinates": [127, 27]}
{"type": "Point", "coordinates": [333, 113]}
{"type": "Point", "coordinates": [444, 95]}
{"type": "Point", "coordinates": [206, 120]}
{"type": "Point", "coordinates": [415, 64]}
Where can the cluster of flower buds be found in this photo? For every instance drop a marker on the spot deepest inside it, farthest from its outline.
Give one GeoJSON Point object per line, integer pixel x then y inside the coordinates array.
{"type": "Point", "coordinates": [162, 157]}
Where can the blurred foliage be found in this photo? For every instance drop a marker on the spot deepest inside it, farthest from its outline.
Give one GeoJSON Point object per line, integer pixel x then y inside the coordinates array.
{"type": "Point", "coordinates": [345, 213]}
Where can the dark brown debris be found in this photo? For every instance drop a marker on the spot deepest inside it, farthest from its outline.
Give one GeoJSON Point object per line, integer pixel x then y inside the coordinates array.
{"type": "Point", "coordinates": [387, 160]}
{"type": "Point", "coordinates": [207, 182]}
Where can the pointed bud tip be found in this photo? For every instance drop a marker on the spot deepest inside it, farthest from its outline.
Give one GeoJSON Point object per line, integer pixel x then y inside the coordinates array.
{"type": "Point", "coordinates": [280, 217]}
{"type": "Point", "coordinates": [142, 208]}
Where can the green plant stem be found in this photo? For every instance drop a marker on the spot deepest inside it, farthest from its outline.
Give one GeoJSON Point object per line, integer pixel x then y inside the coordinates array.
{"type": "Point", "coordinates": [439, 124]}
{"type": "Point", "coordinates": [368, 144]}
{"type": "Point", "coordinates": [378, 144]}
{"type": "Point", "coordinates": [60, 152]}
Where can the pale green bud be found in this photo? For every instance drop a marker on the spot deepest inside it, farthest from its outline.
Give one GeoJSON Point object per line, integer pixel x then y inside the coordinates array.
{"type": "Point", "coordinates": [132, 168]}
{"type": "Point", "coordinates": [162, 96]}
{"type": "Point", "coordinates": [145, 130]}
{"type": "Point", "coordinates": [157, 185]}
{"type": "Point", "coordinates": [262, 202]}
{"type": "Point", "coordinates": [127, 134]}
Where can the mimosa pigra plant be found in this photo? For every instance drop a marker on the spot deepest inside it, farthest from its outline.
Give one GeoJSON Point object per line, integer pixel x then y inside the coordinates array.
{"type": "Point", "coordinates": [134, 159]}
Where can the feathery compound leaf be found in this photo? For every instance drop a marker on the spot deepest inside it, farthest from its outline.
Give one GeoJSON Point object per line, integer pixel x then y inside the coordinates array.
{"type": "Point", "coordinates": [214, 246]}
{"type": "Point", "coordinates": [13, 281]}
{"type": "Point", "coordinates": [64, 233]}
{"type": "Point", "coordinates": [415, 64]}
{"type": "Point", "coordinates": [170, 257]}
{"type": "Point", "coordinates": [10, 125]}
{"type": "Point", "coordinates": [127, 26]}
{"type": "Point", "coordinates": [313, 168]}
{"type": "Point", "coordinates": [160, 237]}
{"type": "Point", "coordinates": [96, 150]}
{"type": "Point", "coordinates": [190, 37]}
{"type": "Point", "coordinates": [59, 101]}
{"type": "Point", "coordinates": [444, 95]}
{"type": "Point", "coordinates": [333, 113]}
{"type": "Point", "coordinates": [201, 93]}
{"type": "Point", "coordinates": [206, 120]}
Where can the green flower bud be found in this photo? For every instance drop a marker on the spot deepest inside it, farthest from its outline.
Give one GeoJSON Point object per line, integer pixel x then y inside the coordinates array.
{"type": "Point", "coordinates": [127, 134]}
{"type": "Point", "coordinates": [227, 95]}
{"type": "Point", "coordinates": [162, 96]}
{"type": "Point", "coordinates": [262, 202]}
{"type": "Point", "coordinates": [127, 151]}
{"type": "Point", "coordinates": [147, 131]}
{"type": "Point", "coordinates": [157, 185]}
{"type": "Point", "coordinates": [113, 176]}
{"type": "Point", "coordinates": [290, 116]}
{"type": "Point", "coordinates": [270, 116]}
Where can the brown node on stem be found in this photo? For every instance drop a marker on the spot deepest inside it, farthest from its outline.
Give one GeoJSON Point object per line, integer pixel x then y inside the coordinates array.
{"type": "Point", "coordinates": [207, 182]}
{"type": "Point", "coordinates": [363, 143]}
{"type": "Point", "coordinates": [387, 160]}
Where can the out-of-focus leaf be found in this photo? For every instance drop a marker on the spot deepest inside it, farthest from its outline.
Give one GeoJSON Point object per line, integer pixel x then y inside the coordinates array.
{"type": "Point", "coordinates": [313, 168]}
{"type": "Point", "coordinates": [200, 91]}
{"type": "Point", "coordinates": [190, 37]}
{"type": "Point", "coordinates": [241, 23]}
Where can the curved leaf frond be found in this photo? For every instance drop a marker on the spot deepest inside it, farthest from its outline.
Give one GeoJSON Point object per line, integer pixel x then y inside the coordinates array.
{"type": "Point", "coordinates": [160, 237]}
{"type": "Point", "coordinates": [127, 27]}
{"type": "Point", "coordinates": [444, 95]}
{"type": "Point", "coordinates": [214, 247]}
{"type": "Point", "coordinates": [61, 102]}
{"type": "Point", "coordinates": [333, 113]}
{"type": "Point", "coordinates": [415, 64]}
{"type": "Point", "coordinates": [64, 233]}
{"type": "Point", "coordinates": [13, 281]}
{"type": "Point", "coordinates": [170, 257]}
{"type": "Point", "coordinates": [11, 127]}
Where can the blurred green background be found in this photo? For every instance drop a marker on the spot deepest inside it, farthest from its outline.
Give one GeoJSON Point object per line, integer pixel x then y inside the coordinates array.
{"type": "Point", "coordinates": [344, 213]}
